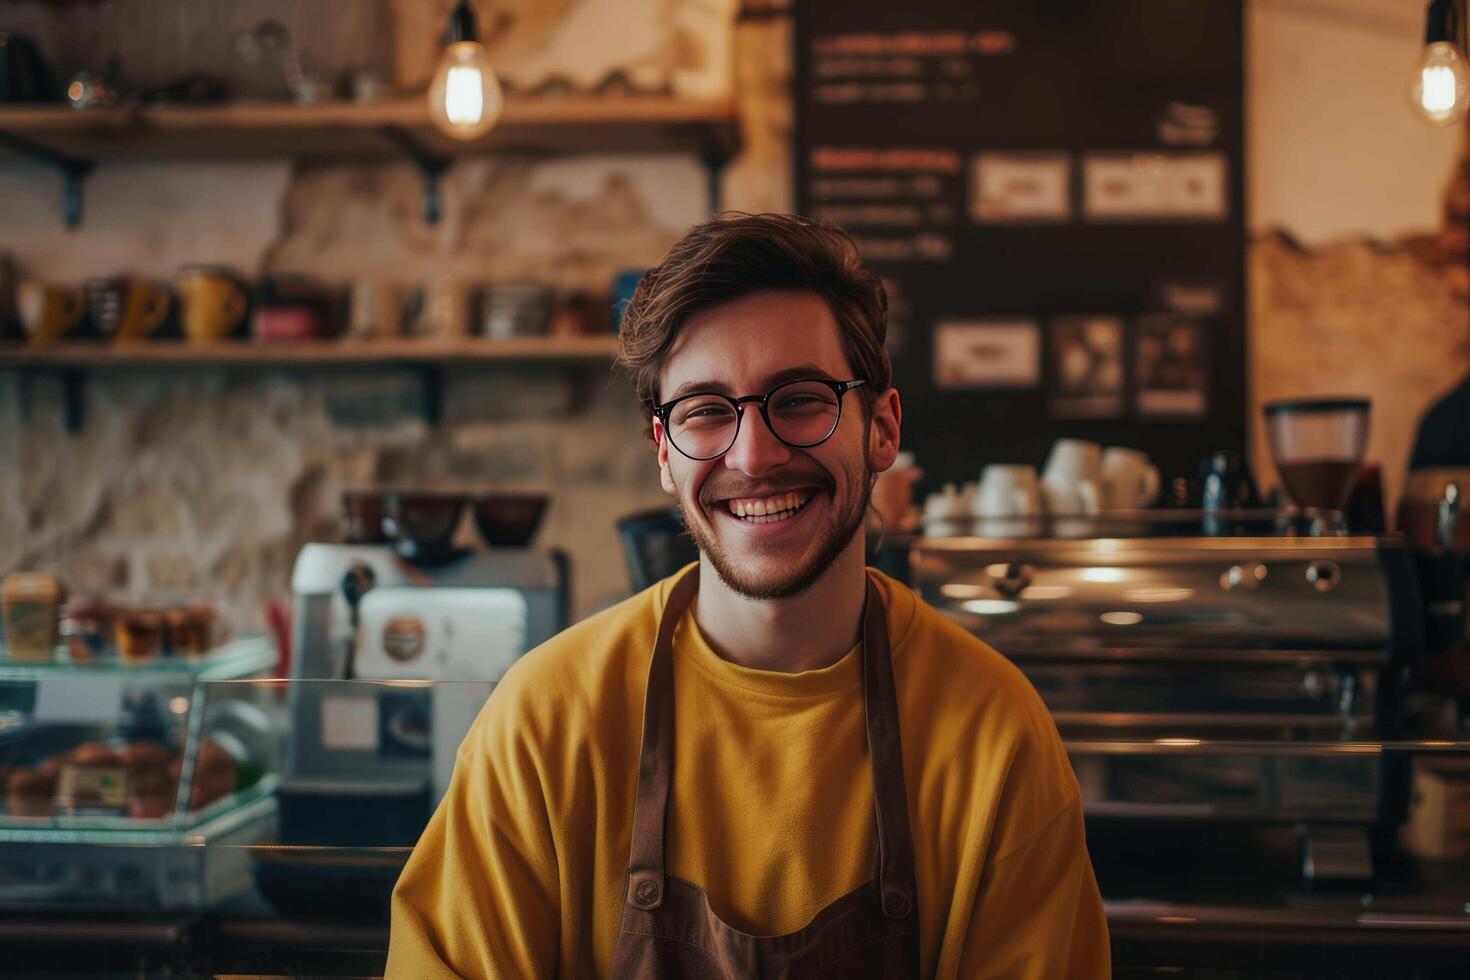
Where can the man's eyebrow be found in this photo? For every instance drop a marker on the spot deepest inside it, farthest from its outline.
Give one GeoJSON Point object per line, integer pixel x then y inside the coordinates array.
{"type": "Point", "coordinates": [767, 383]}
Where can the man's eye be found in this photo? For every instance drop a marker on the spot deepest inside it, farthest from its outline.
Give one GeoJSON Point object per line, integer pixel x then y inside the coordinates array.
{"type": "Point", "coordinates": [804, 403]}
{"type": "Point", "coordinates": [705, 414]}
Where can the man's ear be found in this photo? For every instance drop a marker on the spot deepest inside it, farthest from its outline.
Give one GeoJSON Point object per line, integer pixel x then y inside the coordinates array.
{"type": "Point", "coordinates": [883, 433]}
{"type": "Point", "coordinates": [664, 476]}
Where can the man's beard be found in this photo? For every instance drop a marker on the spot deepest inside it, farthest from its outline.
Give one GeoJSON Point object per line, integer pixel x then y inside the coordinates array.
{"type": "Point", "coordinates": [846, 520]}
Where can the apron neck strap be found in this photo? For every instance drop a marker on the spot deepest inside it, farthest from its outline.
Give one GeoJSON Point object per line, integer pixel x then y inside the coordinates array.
{"type": "Point", "coordinates": [646, 868]}
{"type": "Point", "coordinates": [656, 760]}
{"type": "Point", "coordinates": [885, 755]}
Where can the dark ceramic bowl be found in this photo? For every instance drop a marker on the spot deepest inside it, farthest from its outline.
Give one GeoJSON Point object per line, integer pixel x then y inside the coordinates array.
{"type": "Point", "coordinates": [421, 524]}
{"type": "Point", "coordinates": [509, 520]}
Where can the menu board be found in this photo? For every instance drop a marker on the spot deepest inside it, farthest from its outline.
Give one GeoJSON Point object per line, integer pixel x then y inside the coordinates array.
{"type": "Point", "coordinates": [1053, 194]}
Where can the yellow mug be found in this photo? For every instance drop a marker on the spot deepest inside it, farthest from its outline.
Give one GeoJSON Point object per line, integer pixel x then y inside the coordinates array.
{"type": "Point", "coordinates": [214, 302]}
{"type": "Point", "coordinates": [144, 309]}
{"type": "Point", "coordinates": [47, 311]}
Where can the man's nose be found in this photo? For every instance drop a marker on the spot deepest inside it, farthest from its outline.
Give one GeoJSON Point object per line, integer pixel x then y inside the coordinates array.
{"type": "Point", "coordinates": [756, 449]}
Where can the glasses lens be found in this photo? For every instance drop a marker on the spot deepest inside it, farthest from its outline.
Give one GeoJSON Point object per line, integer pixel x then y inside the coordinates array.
{"type": "Point", "coordinates": [803, 413]}
{"type": "Point", "coordinates": [702, 426]}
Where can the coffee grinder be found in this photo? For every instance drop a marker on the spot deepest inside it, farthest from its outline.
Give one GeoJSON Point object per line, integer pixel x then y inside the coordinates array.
{"type": "Point", "coordinates": [1318, 446]}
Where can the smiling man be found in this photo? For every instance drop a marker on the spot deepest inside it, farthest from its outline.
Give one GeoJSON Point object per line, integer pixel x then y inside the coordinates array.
{"type": "Point", "coordinates": [776, 762]}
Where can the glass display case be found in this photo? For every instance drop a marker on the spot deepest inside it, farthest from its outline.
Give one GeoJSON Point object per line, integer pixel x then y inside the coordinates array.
{"type": "Point", "coordinates": [189, 786]}
{"type": "Point", "coordinates": [114, 774]}
{"type": "Point", "coordinates": [288, 868]}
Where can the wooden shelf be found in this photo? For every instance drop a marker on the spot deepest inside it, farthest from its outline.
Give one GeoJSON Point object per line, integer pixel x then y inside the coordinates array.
{"type": "Point", "coordinates": [428, 358]}
{"type": "Point", "coordinates": [73, 141]}
{"type": "Point", "coordinates": [342, 130]}
{"type": "Point", "coordinates": [84, 356]}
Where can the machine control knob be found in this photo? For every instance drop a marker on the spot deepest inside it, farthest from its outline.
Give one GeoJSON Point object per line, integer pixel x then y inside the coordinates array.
{"type": "Point", "coordinates": [1324, 575]}
{"type": "Point", "coordinates": [1247, 575]}
{"type": "Point", "coordinates": [1013, 579]}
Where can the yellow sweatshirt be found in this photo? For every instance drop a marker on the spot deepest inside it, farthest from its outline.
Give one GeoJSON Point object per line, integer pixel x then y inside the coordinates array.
{"type": "Point", "coordinates": [520, 872]}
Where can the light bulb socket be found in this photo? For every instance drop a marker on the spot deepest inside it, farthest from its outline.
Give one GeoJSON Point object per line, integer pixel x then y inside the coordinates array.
{"type": "Point", "coordinates": [1439, 22]}
{"type": "Point", "coordinates": [461, 26]}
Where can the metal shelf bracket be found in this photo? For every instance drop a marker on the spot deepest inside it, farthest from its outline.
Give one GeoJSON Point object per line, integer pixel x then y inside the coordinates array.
{"type": "Point", "coordinates": [431, 168]}
{"type": "Point", "coordinates": [73, 170]}
{"type": "Point", "coordinates": [73, 383]}
{"type": "Point", "coordinates": [74, 400]}
{"type": "Point", "coordinates": [431, 388]}
{"type": "Point", "coordinates": [714, 157]}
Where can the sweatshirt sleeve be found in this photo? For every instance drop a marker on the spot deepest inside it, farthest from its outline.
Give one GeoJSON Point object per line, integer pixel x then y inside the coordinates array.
{"type": "Point", "coordinates": [1039, 914]}
{"type": "Point", "coordinates": [479, 896]}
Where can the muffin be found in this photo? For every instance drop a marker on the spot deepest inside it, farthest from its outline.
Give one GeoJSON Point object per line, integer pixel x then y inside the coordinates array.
{"type": "Point", "coordinates": [137, 756]}
{"type": "Point", "coordinates": [139, 635]}
{"type": "Point", "coordinates": [152, 790]}
{"type": "Point", "coordinates": [92, 754]}
{"type": "Point", "coordinates": [189, 629]}
{"type": "Point", "coordinates": [215, 775]}
{"type": "Point", "coordinates": [29, 793]}
{"type": "Point", "coordinates": [152, 802]}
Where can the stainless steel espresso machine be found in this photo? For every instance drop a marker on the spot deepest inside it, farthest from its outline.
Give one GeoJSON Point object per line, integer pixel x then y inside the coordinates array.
{"type": "Point", "coordinates": [1240, 679]}
{"type": "Point", "coordinates": [391, 663]}
{"type": "Point", "coordinates": [364, 614]}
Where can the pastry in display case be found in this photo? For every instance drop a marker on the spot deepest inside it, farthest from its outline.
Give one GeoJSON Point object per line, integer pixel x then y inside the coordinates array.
{"type": "Point", "coordinates": [122, 760]}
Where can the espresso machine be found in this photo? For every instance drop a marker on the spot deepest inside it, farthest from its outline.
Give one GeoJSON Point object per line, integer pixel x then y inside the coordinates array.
{"type": "Point", "coordinates": [363, 614]}
{"type": "Point", "coordinates": [391, 663]}
{"type": "Point", "coordinates": [1242, 680]}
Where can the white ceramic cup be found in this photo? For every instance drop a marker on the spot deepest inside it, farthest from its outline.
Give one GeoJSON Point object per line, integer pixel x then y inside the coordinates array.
{"type": "Point", "coordinates": [1008, 490]}
{"type": "Point", "coordinates": [1071, 482]}
{"type": "Point", "coordinates": [1129, 480]}
{"type": "Point", "coordinates": [949, 512]}
{"type": "Point", "coordinates": [1082, 498]}
{"type": "Point", "coordinates": [1072, 460]}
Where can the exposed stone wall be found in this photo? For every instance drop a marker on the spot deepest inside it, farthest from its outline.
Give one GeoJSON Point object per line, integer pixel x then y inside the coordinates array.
{"type": "Point", "coordinates": [212, 483]}
{"type": "Point", "coordinates": [209, 481]}
{"type": "Point", "coordinates": [1387, 320]}
{"type": "Point", "coordinates": [1390, 320]}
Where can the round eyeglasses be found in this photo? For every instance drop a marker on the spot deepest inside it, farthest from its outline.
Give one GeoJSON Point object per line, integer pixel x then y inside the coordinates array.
{"type": "Point", "coordinates": [802, 414]}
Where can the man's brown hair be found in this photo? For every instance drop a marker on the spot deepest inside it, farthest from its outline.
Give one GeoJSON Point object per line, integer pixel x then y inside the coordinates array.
{"type": "Point", "coordinates": [733, 255]}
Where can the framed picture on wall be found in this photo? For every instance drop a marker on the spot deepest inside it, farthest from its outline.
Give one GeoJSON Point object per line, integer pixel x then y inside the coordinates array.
{"type": "Point", "coordinates": [1020, 187]}
{"type": "Point", "coordinates": [1155, 187]}
{"type": "Point", "coordinates": [987, 354]}
{"type": "Point", "coordinates": [1171, 367]}
{"type": "Point", "coordinates": [1087, 367]}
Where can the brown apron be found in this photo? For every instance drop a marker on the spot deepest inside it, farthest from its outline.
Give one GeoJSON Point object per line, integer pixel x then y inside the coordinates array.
{"type": "Point", "coordinates": [668, 928]}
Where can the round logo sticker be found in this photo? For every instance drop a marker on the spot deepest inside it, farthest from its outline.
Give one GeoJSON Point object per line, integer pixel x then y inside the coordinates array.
{"type": "Point", "coordinates": [403, 638]}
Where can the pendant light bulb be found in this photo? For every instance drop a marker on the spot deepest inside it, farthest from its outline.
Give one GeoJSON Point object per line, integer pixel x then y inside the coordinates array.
{"type": "Point", "coordinates": [465, 98]}
{"type": "Point", "coordinates": [1440, 87]}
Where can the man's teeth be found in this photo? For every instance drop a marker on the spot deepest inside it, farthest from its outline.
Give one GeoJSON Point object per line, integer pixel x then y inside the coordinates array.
{"type": "Point", "coordinates": [764, 510]}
